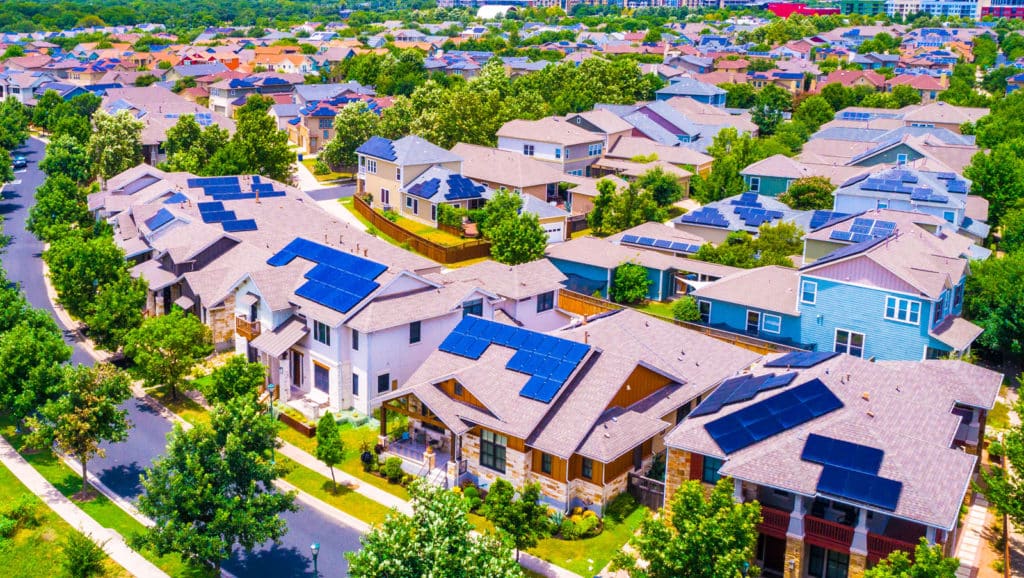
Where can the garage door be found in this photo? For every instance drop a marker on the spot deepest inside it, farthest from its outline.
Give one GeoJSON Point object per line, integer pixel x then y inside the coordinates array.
{"type": "Point", "coordinates": [555, 231]}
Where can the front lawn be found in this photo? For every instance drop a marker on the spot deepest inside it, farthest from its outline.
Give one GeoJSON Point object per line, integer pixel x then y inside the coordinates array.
{"type": "Point", "coordinates": [427, 232]}
{"type": "Point", "coordinates": [332, 176]}
{"type": "Point", "coordinates": [341, 497]}
{"type": "Point", "coordinates": [589, 556]}
{"type": "Point", "coordinates": [183, 405]}
{"type": "Point", "coordinates": [656, 308]}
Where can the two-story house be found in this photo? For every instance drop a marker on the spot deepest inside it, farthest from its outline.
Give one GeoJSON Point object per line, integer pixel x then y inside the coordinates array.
{"type": "Point", "coordinates": [558, 141]}
{"type": "Point", "coordinates": [695, 89]}
{"type": "Point", "coordinates": [578, 411]}
{"type": "Point", "coordinates": [850, 460]}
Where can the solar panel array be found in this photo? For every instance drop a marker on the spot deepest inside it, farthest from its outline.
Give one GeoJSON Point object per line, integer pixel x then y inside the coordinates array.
{"type": "Point", "coordinates": [856, 179]}
{"type": "Point", "coordinates": [865, 230]}
{"type": "Point", "coordinates": [821, 218]}
{"type": "Point", "coordinates": [706, 216]}
{"type": "Point", "coordinates": [926, 195]}
{"type": "Point", "coordinates": [801, 359]}
{"type": "Point", "coordinates": [947, 176]}
{"type": "Point", "coordinates": [764, 419]}
{"type": "Point", "coordinates": [740, 389]}
{"type": "Point", "coordinates": [856, 116]}
{"type": "Point", "coordinates": [957, 186]}
{"type": "Point", "coordinates": [848, 250]}
{"type": "Point", "coordinates": [548, 360]}
{"type": "Point", "coordinates": [176, 198]}
{"type": "Point", "coordinates": [755, 217]}
{"type": "Point", "coordinates": [378, 147]}
{"type": "Point", "coordinates": [161, 218]}
{"type": "Point", "coordinates": [747, 200]}
{"type": "Point", "coordinates": [460, 187]}
{"type": "Point", "coordinates": [851, 471]}
{"type": "Point", "coordinates": [339, 281]}
{"type": "Point", "coordinates": [239, 225]}
{"type": "Point", "coordinates": [660, 244]}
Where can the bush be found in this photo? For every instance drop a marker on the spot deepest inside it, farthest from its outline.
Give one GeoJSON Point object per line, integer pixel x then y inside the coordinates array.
{"type": "Point", "coordinates": [7, 527]}
{"type": "Point", "coordinates": [569, 529]}
{"type": "Point", "coordinates": [24, 511]}
{"type": "Point", "coordinates": [472, 496]}
{"type": "Point", "coordinates": [392, 469]}
{"type": "Point", "coordinates": [320, 168]}
{"type": "Point", "coordinates": [82, 557]}
{"type": "Point", "coordinates": [685, 309]}
{"type": "Point", "coordinates": [449, 215]}
{"type": "Point", "coordinates": [391, 216]}
{"type": "Point", "coordinates": [588, 525]}
{"type": "Point", "coordinates": [406, 480]}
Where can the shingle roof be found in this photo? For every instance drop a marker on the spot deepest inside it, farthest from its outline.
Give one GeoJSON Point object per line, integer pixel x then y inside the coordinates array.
{"type": "Point", "coordinates": [550, 129]}
{"type": "Point", "coordinates": [771, 288]}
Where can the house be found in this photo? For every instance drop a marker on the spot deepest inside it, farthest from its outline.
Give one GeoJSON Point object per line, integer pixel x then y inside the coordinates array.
{"type": "Point", "coordinates": [852, 78]}
{"type": "Point", "coordinates": [628, 148]}
{"type": "Point", "coordinates": [876, 60]}
{"type": "Point", "coordinates": [578, 411]}
{"type": "Point", "coordinates": [868, 458]}
{"type": "Point", "coordinates": [936, 114]}
{"type": "Point", "coordinates": [927, 86]}
{"type": "Point", "coordinates": [603, 122]}
{"type": "Point", "coordinates": [792, 82]}
{"type": "Point", "coordinates": [695, 89]}
{"type": "Point", "coordinates": [558, 141]}
{"type": "Point", "coordinates": [229, 93]}
{"type": "Point", "coordinates": [773, 175]}
{"type": "Point", "coordinates": [22, 86]}
{"type": "Point", "coordinates": [498, 169]}
{"type": "Point", "coordinates": [313, 127]}
{"type": "Point", "coordinates": [745, 212]}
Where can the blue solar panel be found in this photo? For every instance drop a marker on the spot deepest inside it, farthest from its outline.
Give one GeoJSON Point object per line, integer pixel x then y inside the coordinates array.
{"type": "Point", "coordinates": [739, 389]}
{"type": "Point", "coordinates": [832, 452]}
{"type": "Point", "coordinates": [630, 238]}
{"type": "Point", "coordinates": [161, 218]}
{"type": "Point", "coordinates": [211, 206]}
{"type": "Point", "coordinates": [841, 235]}
{"type": "Point", "coordinates": [176, 198]}
{"type": "Point", "coordinates": [771, 416]}
{"type": "Point", "coordinates": [211, 181]}
{"type": "Point", "coordinates": [957, 186]}
{"type": "Point", "coordinates": [925, 195]}
{"type": "Point", "coordinates": [339, 281]}
{"type": "Point", "coordinates": [947, 176]}
{"type": "Point", "coordinates": [217, 216]}
{"type": "Point", "coordinates": [801, 359]}
{"type": "Point", "coordinates": [378, 147]}
{"type": "Point", "coordinates": [328, 296]}
{"type": "Point", "coordinates": [860, 487]}
{"type": "Point", "coordinates": [847, 251]}
{"type": "Point", "coordinates": [239, 225]}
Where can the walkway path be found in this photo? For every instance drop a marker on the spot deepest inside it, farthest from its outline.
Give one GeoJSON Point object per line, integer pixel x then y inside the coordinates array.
{"type": "Point", "coordinates": [972, 540]}
{"type": "Point", "coordinates": [111, 542]}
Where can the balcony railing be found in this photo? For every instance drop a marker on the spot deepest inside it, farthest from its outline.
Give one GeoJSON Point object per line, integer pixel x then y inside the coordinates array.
{"type": "Point", "coordinates": [774, 522]}
{"type": "Point", "coordinates": [826, 534]}
{"type": "Point", "coordinates": [881, 546]}
{"type": "Point", "coordinates": [248, 329]}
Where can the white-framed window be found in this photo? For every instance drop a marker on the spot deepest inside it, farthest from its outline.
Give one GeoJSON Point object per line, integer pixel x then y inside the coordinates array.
{"type": "Point", "coordinates": [371, 166]}
{"type": "Point", "coordinates": [903, 310]}
{"type": "Point", "coordinates": [901, 159]}
{"type": "Point", "coordinates": [753, 322]}
{"type": "Point", "coordinates": [558, 153]}
{"type": "Point", "coordinates": [528, 150]}
{"type": "Point", "coordinates": [385, 196]}
{"type": "Point", "coordinates": [771, 323]}
{"type": "Point", "coordinates": [398, 174]}
{"type": "Point", "coordinates": [958, 295]}
{"type": "Point", "coordinates": [755, 184]}
{"type": "Point", "coordinates": [594, 150]}
{"type": "Point", "coordinates": [881, 204]}
{"type": "Point", "coordinates": [849, 342]}
{"type": "Point", "coordinates": [321, 332]}
{"type": "Point", "coordinates": [705, 310]}
{"type": "Point", "coordinates": [808, 292]}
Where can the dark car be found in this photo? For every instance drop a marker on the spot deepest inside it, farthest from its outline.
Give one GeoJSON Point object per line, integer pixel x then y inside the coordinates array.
{"type": "Point", "coordinates": [19, 161]}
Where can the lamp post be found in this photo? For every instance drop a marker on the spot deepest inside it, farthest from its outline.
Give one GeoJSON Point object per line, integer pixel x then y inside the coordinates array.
{"type": "Point", "coordinates": [315, 549]}
{"type": "Point", "coordinates": [270, 390]}
{"type": "Point", "coordinates": [746, 568]}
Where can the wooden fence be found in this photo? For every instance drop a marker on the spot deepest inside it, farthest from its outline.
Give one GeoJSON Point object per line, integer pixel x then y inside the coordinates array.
{"type": "Point", "coordinates": [584, 305]}
{"type": "Point", "coordinates": [440, 253]}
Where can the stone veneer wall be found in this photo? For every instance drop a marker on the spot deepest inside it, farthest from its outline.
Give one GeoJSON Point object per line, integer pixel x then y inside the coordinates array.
{"type": "Point", "coordinates": [677, 471]}
{"type": "Point", "coordinates": [516, 464]}
{"type": "Point", "coordinates": [858, 565]}
{"type": "Point", "coordinates": [222, 321]}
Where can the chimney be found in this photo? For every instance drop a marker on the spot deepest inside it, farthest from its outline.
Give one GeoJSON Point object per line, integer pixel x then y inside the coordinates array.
{"type": "Point", "coordinates": [586, 337]}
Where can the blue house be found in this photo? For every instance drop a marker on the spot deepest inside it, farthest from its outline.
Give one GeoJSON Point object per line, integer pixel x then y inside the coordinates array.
{"type": "Point", "coordinates": [695, 89]}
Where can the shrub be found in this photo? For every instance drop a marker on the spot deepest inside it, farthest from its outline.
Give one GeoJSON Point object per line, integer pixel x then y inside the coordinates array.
{"type": "Point", "coordinates": [392, 469]}
{"type": "Point", "coordinates": [391, 216]}
{"type": "Point", "coordinates": [82, 557]}
{"type": "Point", "coordinates": [406, 480]}
{"type": "Point", "coordinates": [472, 496]}
{"type": "Point", "coordinates": [320, 168]}
{"type": "Point", "coordinates": [569, 529]}
{"type": "Point", "coordinates": [588, 525]}
{"type": "Point", "coordinates": [685, 309]}
{"type": "Point", "coordinates": [24, 511]}
{"type": "Point", "coordinates": [7, 527]}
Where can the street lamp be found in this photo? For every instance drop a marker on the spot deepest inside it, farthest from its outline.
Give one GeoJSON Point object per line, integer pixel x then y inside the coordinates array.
{"type": "Point", "coordinates": [746, 568]}
{"type": "Point", "coordinates": [270, 390]}
{"type": "Point", "coordinates": [315, 549]}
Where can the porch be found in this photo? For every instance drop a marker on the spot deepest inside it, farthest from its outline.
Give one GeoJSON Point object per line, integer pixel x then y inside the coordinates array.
{"type": "Point", "coordinates": [426, 446]}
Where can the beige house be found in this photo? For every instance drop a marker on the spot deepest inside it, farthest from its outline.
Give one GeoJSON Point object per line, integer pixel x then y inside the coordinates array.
{"type": "Point", "coordinates": [500, 169]}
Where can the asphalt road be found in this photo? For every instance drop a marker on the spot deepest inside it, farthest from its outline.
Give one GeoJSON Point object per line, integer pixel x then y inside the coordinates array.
{"type": "Point", "coordinates": [125, 462]}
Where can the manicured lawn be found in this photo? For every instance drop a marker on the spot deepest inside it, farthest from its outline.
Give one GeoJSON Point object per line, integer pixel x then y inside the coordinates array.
{"type": "Point", "coordinates": [582, 233]}
{"type": "Point", "coordinates": [589, 556]}
{"type": "Point", "coordinates": [332, 176]}
{"type": "Point", "coordinates": [427, 232]}
{"type": "Point", "coordinates": [999, 417]}
{"type": "Point", "coordinates": [189, 410]}
{"type": "Point", "coordinates": [36, 551]}
{"type": "Point", "coordinates": [345, 499]}
{"type": "Point", "coordinates": [656, 308]}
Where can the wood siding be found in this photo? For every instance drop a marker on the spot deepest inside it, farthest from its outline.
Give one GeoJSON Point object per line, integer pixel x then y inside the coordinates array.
{"type": "Point", "coordinates": [640, 384]}
{"type": "Point", "coordinates": [448, 387]}
{"type": "Point", "coordinates": [514, 443]}
{"type": "Point", "coordinates": [558, 466]}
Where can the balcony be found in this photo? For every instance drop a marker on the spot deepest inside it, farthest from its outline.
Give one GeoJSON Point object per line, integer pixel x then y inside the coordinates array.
{"type": "Point", "coordinates": [880, 547]}
{"type": "Point", "coordinates": [247, 329]}
{"type": "Point", "coordinates": [774, 522]}
{"type": "Point", "coordinates": [826, 534]}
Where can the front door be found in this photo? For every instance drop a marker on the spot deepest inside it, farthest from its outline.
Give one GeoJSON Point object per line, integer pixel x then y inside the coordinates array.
{"type": "Point", "coordinates": [638, 458]}
{"type": "Point", "coordinates": [296, 369]}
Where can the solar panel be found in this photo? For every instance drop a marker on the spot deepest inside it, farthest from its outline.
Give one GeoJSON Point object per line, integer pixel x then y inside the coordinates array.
{"type": "Point", "coordinates": [662, 244]}
{"type": "Point", "coordinates": [924, 195]}
{"type": "Point", "coordinates": [210, 206]}
{"type": "Point", "coordinates": [176, 198]}
{"type": "Point", "coordinates": [217, 216]}
{"type": "Point", "coordinates": [947, 176]}
{"type": "Point", "coordinates": [861, 237]}
{"type": "Point", "coordinates": [841, 235]}
{"type": "Point", "coordinates": [822, 218]}
{"type": "Point", "coordinates": [339, 281]}
{"type": "Point", "coordinates": [801, 359]}
{"type": "Point", "coordinates": [833, 452]}
{"type": "Point", "coordinates": [860, 487]}
{"type": "Point", "coordinates": [957, 186]}
{"type": "Point", "coordinates": [161, 218]}
{"type": "Point", "coordinates": [630, 238]}
{"type": "Point", "coordinates": [771, 416]}
{"type": "Point", "coordinates": [239, 225]}
{"type": "Point", "coordinates": [739, 389]}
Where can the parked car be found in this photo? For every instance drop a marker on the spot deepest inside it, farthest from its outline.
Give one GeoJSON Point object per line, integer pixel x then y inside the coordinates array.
{"type": "Point", "coordinates": [19, 161]}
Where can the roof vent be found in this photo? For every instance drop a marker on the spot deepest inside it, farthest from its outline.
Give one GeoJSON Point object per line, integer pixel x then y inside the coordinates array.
{"type": "Point", "coordinates": [866, 396]}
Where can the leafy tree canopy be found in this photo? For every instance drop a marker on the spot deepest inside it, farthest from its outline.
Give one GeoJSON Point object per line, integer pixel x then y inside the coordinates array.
{"type": "Point", "coordinates": [165, 348]}
{"type": "Point", "coordinates": [809, 193]}
{"type": "Point", "coordinates": [630, 284]}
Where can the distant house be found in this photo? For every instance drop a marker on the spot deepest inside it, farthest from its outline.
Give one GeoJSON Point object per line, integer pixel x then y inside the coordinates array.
{"type": "Point", "coordinates": [564, 144]}
{"type": "Point", "coordinates": [773, 175]}
{"type": "Point", "coordinates": [927, 86]}
{"type": "Point", "coordinates": [852, 78]}
{"type": "Point", "coordinates": [695, 89]}
{"type": "Point", "coordinates": [510, 170]}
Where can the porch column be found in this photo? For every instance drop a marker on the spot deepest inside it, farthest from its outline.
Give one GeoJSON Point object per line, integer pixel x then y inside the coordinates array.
{"type": "Point", "coordinates": [929, 534]}
{"type": "Point", "coordinates": [383, 438]}
{"type": "Point", "coordinates": [737, 491]}
{"type": "Point", "coordinates": [860, 534]}
{"type": "Point", "coordinates": [796, 519]}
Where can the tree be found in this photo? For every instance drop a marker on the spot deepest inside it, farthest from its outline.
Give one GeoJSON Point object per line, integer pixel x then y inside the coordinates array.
{"type": "Point", "coordinates": [994, 299]}
{"type": "Point", "coordinates": [814, 112]}
{"type": "Point", "coordinates": [79, 266]}
{"type": "Point", "coordinates": [517, 240]}
{"type": "Point", "coordinates": [520, 519]}
{"type": "Point", "coordinates": [739, 95]}
{"type": "Point", "coordinates": [905, 95]}
{"type": "Point", "coordinates": [929, 562]}
{"type": "Point", "coordinates": [166, 348]}
{"type": "Point", "coordinates": [31, 354]}
{"type": "Point", "coordinates": [117, 310]}
{"type": "Point", "coordinates": [330, 448]}
{"type": "Point", "coordinates": [237, 377]}
{"type": "Point", "coordinates": [809, 193]}
{"type": "Point", "coordinates": [995, 80]}
{"type": "Point", "coordinates": [354, 124]}
{"type": "Point", "coordinates": [190, 147]}
{"type": "Point", "coordinates": [685, 309]}
{"type": "Point", "coordinates": [998, 176]}
{"type": "Point", "coordinates": [632, 206]}
{"type": "Point", "coordinates": [82, 557]}
{"type": "Point", "coordinates": [1011, 234]}
{"type": "Point", "coordinates": [699, 537]}
{"type": "Point", "coordinates": [84, 414]}
{"type": "Point", "coordinates": [663, 187]}
{"type": "Point", "coordinates": [68, 157]}
{"type": "Point", "coordinates": [605, 195]}
{"type": "Point", "coordinates": [630, 284]}
{"type": "Point", "coordinates": [838, 96]}
{"type": "Point", "coordinates": [14, 119]}
{"type": "Point", "coordinates": [737, 251]}
{"type": "Point", "coordinates": [769, 104]}
{"type": "Point", "coordinates": [435, 541]}
{"type": "Point", "coordinates": [775, 243]}
{"type": "Point", "coordinates": [44, 108]}
{"type": "Point", "coordinates": [12, 51]}
{"type": "Point", "coordinates": [60, 206]}
{"type": "Point", "coordinates": [116, 143]}
{"type": "Point", "coordinates": [229, 499]}
{"type": "Point", "coordinates": [258, 146]}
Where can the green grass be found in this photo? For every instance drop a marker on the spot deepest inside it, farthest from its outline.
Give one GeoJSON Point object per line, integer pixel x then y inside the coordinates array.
{"type": "Point", "coordinates": [589, 556]}
{"type": "Point", "coordinates": [100, 508]}
{"type": "Point", "coordinates": [427, 232]}
{"type": "Point", "coordinates": [345, 499]}
{"type": "Point", "coordinates": [35, 551]}
{"type": "Point", "coordinates": [999, 417]}
{"type": "Point", "coordinates": [347, 203]}
{"type": "Point", "coordinates": [656, 308]}
{"type": "Point", "coordinates": [332, 176]}
{"type": "Point", "coordinates": [582, 233]}
{"type": "Point", "coordinates": [189, 410]}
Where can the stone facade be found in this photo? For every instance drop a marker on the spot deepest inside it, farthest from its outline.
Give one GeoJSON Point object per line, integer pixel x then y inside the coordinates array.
{"type": "Point", "coordinates": [222, 322]}
{"type": "Point", "coordinates": [794, 556]}
{"type": "Point", "coordinates": [516, 464]}
{"type": "Point", "coordinates": [858, 565]}
{"type": "Point", "coordinates": [677, 471]}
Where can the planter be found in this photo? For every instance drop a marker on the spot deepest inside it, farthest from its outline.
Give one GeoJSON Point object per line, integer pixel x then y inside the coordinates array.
{"type": "Point", "coordinates": [304, 429]}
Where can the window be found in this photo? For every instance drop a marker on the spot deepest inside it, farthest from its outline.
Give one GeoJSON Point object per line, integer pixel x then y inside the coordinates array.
{"type": "Point", "coordinates": [558, 153]}
{"type": "Point", "coordinates": [545, 301]}
{"type": "Point", "coordinates": [474, 307]}
{"type": "Point", "coordinates": [528, 150]}
{"type": "Point", "coordinates": [545, 464]}
{"type": "Point", "coordinates": [594, 150]}
{"type": "Point", "coordinates": [433, 212]}
{"type": "Point", "coordinates": [383, 382]}
{"type": "Point", "coordinates": [385, 196]}
{"type": "Point", "coordinates": [901, 159]}
{"type": "Point", "coordinates": [325, 123]}
{"type": "Point", "coordinates": [321, 333]}
{"type": "Point", "coordinates": [755, 184]}
{"type": "Point", "coordinates": [355, 340]}
{"type": "Point", "coordinates": [709, 474]}
{"type": "Point", "coordinates": [939, 310]}
{"type": "Point", "coordinates": [492, 450]}
{"type": "Point", "coordinates": [398, 174]}
{"type": "Point", "coordinates": [355, 384]}
{"type": "Point", "coordinates": [458, 389]}
{"type": "Point", "coordinates": [849, 342]}
{"type": "Point", "coordinates": [808, 292]}
{"type": "Point", "coordinates": [321, 378]}
{"type": "Point", "coordinates": [824, 563]}
{"type": "Point", "coordinates": [772, 323]}
{"type": "Point", "coordinates": [950, 216]}
{"type": "Point", "coordinates": [371, 166]}
{"type": "Point", "coordinates": [408, 202]}
{"type": "Point", "coordinates": [683, 411]}
{"type": "Point", "coordinates": [904, 310]}
{"type": "Point", "coordinates": [705, 310]}
{"type": "Point", "coordinates": [587, 468]}
{"type": "Point", "coordinates": [753, 322]}
{"type": "Point", "coordinates": [880, 204]}
{"type": "Point", "coordinates": [958, 295]}
{"type": "Point", "coordinates": [414, 332]}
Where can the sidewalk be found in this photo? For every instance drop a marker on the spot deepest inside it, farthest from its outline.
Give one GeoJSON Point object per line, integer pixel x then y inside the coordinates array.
{"type": "Point", "coordinates": [972, 541]}
{"type": "Point", "coordinates": [111, 542]}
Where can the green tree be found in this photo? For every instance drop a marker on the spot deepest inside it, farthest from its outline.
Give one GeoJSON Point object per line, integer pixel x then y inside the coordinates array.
{"type": "Point", "coordinates": [838, 96]}
{"type": "Point", "coordinates": [769, 105]}
{"type": "Point", "coordinates": [775, 243]}
{"type": "Point", "coordinates": [809, 193]}
{"type": "Point", "coordinates": [183, 135]}
{"type": "Point", "coordinates": [117, 310]}
{"type": "Point", "coordinates": [31, 354]}
{"type": "Point", "coordinates": [68, 157]}
{"type": "Point", "coordinates": [45, 106]}
{"type": "Point", "coordinates": [630, 284]}
{"type": "Point", "coordinates": [739, 95]}
{"type": "Point", "coordinates": [60, 207]}
{"type": "Point", "coordinates": [736, 251]}
{"type": "Point", "coordinates": [1011, 233]}
{"type": "Point", "coordinates": [258, 146]}
{"type": "Point", "coordinates": [354, 124]}
{"type": "Point", "coordinates": [330, 448]}
{"type": "Point", "coordinates": [995, 80]}
{"type": "Point", "coordinates": [814, 112]}
{"type": "Point", "coordinates": [190, 147]}
{"type": "Point", "coordinates": [520, 239]}
{"type": "Point", "coordinates": [84, 414]}
{"type": "Point", "coordinates": [82, 557]}
{"type": "Point", "coordinates": [237, 377]}
{"type": "Point", "coordinates": [146, 80]}
{"type": "Point", "coordinates": [929, 562]}
{"type": "Point", "coordinates": [166, 348]}
{"type": "Point", "coordinates": [605, 195]}
{"type": "Point", "coordinates": [12, 51]}
{"type": "Point", "coordinates": [14, 119]}
{"type": "Point", "coordinates": [994, 299]}
{"type": "Point", "coordinates": [701, 536]}
{"type": "Point", "coordinates": [663, 187]}
{"type": "Point", "coordinates": [519, 518]}
{"type": "Point", "coordinates": [998, 176]}
{"type": "Point", "coordinates": [79, 266]}
{"type": "Point", "coordinates": [632, 206]}
{"type": "Point", "coordinates": [231, 498]}
{"type": "Point", "coordinates": [905, 95]}
{"type": "Point", "coordinates": [436, 540]}
{"type": "Point", "coordinates": [503, 206]}
{"type": "Point", "coordinates": [685, 309]}
{"type": "Point", "coordinates": [116, 143]}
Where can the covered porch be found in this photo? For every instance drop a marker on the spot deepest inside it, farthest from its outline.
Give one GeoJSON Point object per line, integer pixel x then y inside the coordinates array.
{"type": "Point", "coordinates": [426, 445]}
{"type": "Point", "coordinates": [280, 352]}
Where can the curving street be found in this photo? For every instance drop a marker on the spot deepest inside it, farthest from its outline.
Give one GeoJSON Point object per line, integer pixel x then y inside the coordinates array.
{"type": "Point", "coordinates": [124, 462]}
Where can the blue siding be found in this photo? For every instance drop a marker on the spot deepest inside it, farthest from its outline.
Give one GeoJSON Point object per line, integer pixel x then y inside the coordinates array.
{"type": "Point", "coordinates": [733, 318]}
{"type": "Point", "coordinates": [580, 273]}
